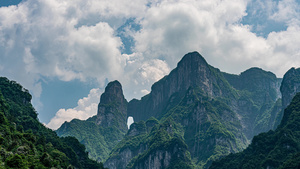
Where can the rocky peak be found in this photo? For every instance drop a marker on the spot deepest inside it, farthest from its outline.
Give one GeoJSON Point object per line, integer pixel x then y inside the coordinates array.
{"type": "Point", "coordinates": [113, 93]}
{"type": "Point", "coordinates": [252, 79]}
{"type": "Point", "coordinates": [191, 71]}
{"type": "Point", "coordinates": [112, 109]}
{"type": "Point", "coordinates": [290, 86]}
{"type": "Point", "coordinates": [192, 61]}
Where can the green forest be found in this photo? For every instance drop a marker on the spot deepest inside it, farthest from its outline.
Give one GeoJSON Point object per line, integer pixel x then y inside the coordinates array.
{"type": "Point", "coordinates": [274, 149]}
{"type": "Point", "coordinates": [26, 143]}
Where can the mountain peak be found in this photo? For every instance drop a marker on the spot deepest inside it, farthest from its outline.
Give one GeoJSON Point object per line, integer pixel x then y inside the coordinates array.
{"type": "Point", "coordinates": [113, 93]}
{"type": "Point", "coordinates": [112, 109]}
{"type": "Point", "coordinates": [194, 59]}
{"type": "Point", "coordinates": [257, 73]}
{"type": "Point", "coordinates": [290, 85]}
{"type": "Point", "coordinates": [191, 71]}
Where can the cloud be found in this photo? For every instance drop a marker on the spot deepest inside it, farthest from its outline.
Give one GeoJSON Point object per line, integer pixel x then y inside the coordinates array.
{"type": "Point", "coordinates": [81, 40]}
{"type": "Point", "coordinates": [65, 39]}
{"type": "Point", "coordinates": [86, 107]}
{"type": "Point", "coordinates": [141, 73]}
{"type": "Point", "coordinates": [169, 30]}
{"type": "Point", "coordinates": [287, 11]}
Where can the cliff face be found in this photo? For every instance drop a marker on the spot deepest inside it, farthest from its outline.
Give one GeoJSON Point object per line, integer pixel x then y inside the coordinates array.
{"type": "Point", "coordinates": [129, 147]}
{"type": "Point", "coordinates": [274, 149]}
{"type": "Point", "coordinates": [264, 85]}
{"type": "Point", "coordinates": [112, 109]}
{"type": "Point", "coordinates": [192, 70]}
{"type": "Point", "coordinates": [251, 95]}
{"type": "Point", "coordinates": [258, 93]}
{"type": "Point", "coordinates": [158, 148]}
{"type": "Point", "coordinates": [101, 133]}
{"type": "Point", "coordinates": [290, 86]}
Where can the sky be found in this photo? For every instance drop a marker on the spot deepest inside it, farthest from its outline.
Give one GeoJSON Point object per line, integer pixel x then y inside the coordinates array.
{"type": "Point", "coordinates": [65, 52]}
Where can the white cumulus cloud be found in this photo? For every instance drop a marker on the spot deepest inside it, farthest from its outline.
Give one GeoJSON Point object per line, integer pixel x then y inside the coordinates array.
{"type": "Point", "coordinates": [169, 29]}
{"type": "Point", "coordinates": [86, 107]}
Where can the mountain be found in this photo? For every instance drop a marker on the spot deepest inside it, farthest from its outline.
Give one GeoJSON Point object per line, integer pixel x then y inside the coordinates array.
{"type": "Point", "coordinates": [217, 113]}
{"type": "Point", "coordinates": [192, 117]}
{"type": "Point", "coordinates": [191, 71]}
{"type": "Point", "coordinates": [26, 143]}
{"type": "Point", "coordinates": [259, 102]}
{"type": "Point", "coordinates": [274, 149]}
{"type": "Point", "coordinates": [102, 132]}
{"type": "Point", "coordinates": [251, 95]}
{"type": "Point", "coordinates": [196, 124]}
{"type": "Point", "coordinates": [112, 109]}
{"type": "Point", "coordinates": [290, 86]}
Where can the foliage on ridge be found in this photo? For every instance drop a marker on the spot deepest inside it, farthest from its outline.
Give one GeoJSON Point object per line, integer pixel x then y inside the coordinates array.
{"type": "Point", "coordinates": [26, 143]}
{"type": "Point", "coordinates": [274, 149]}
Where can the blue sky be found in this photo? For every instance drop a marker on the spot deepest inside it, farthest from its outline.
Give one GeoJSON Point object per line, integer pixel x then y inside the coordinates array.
{"type": "Point", "coordinates": [65, 52]}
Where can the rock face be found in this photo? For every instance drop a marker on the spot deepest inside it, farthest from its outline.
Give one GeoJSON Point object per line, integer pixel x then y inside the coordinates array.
{"type": "Point", "coordinates": [258, 93]}
{"type": "Point", "coordinates": [265, 84]}
{"type": "Point", "coordinates": [159, 148]}
{"type": "Point", "coordinates": [102, 132]}
{"type": "Point", "coordinates": [192, 70]}
{"type": "Point", "coordinates": [123, 156]}
{"type": "Point", "coordinates": [274, 149]}
{"type": "Point", "coordinates": [162, 158]}
{"type": "Point", "coordinates": [252, 94]}
{"type": "Point", "coordinates": [290, 86]}
{"type": "Point", "coordinates": [112, 109]}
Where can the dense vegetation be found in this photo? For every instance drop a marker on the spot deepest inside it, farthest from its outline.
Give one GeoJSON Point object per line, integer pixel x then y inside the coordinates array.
{"type": "Point", "coordinates": [145, 140]}
{"type": "Point", "coordinates": [274, 149]}
{"type": "Point", "coordinates": [26, 143]}
{"type": "Point", "coordinates": [211, 129]}
{"type": "Point", "coordinates": [99, 140]}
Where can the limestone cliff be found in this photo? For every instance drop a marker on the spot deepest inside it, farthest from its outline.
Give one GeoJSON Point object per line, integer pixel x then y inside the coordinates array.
{"type": "Point", "coordinates": [112, 109]}
{"type": "Point", "coordinates": [274, 149]}
{"type": "Point", "coordinates": [102, 132]}
{"type": "Point", "coordinates": [290, 86]}
{"type": "Point", "coordinates": [192, 70]}
{"type": "Point", "coordinates": [258, 92]}
{"type": "Point", "coordinates": [159, 148]}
